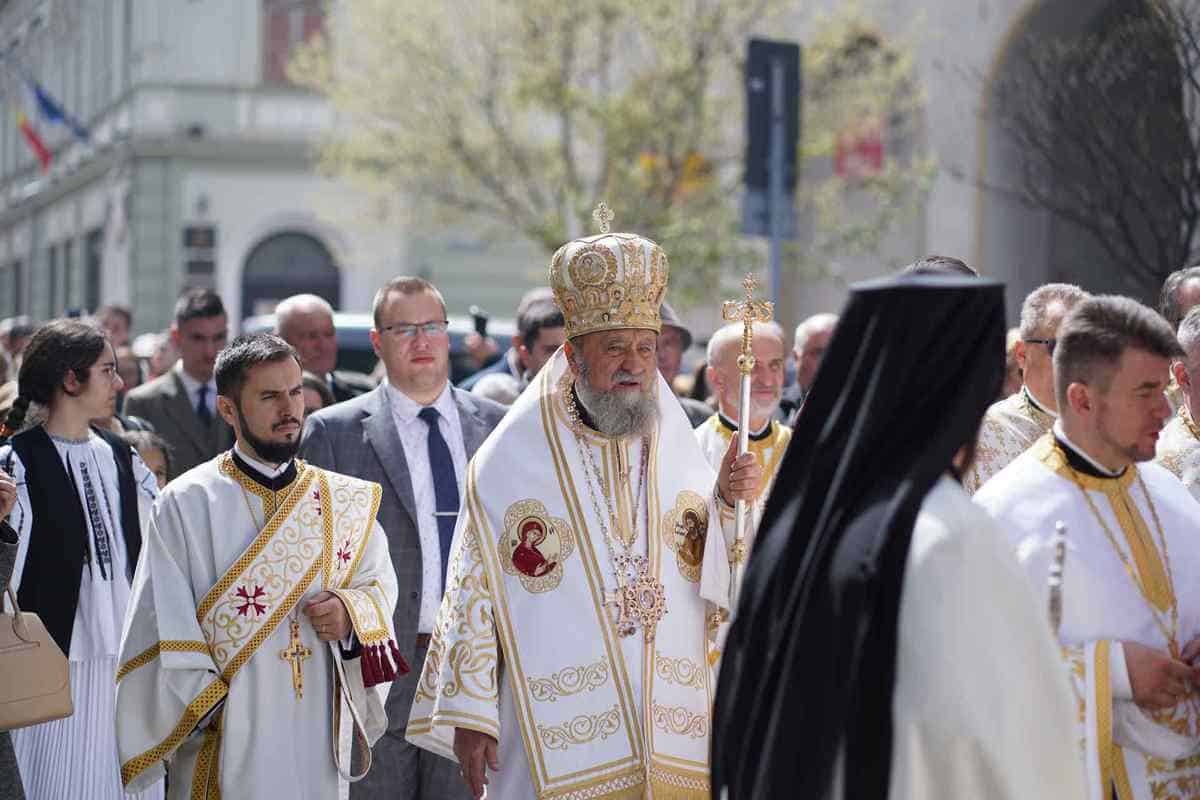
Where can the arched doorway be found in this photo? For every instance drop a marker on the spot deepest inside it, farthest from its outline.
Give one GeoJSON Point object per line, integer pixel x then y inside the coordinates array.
{"type": "Point", "coordinates": [1045, 197]}
{"type": "Point", "coordinates": [285, 264]}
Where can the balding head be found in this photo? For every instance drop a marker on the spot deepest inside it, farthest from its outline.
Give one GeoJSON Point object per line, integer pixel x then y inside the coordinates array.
{"type": "Point", "coordinates": [305, 321]}
{"type": "Point", "coordinates": [766, 384]}
{"type": "Point", "coordinates": [812, 337]}
{"type": "Point", "coordinates": [1187, 370]}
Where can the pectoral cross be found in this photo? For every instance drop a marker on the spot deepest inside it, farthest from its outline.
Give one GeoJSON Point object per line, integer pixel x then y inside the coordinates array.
{"type": "Point", "coordinates": [639, 599]}
{"type": "Point", "coordinates": [296, 653]}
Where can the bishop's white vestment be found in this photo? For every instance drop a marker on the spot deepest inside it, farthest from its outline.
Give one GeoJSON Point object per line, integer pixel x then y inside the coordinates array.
{"type": "Point", "coordinates": [982, 708]}
{"type": "Point", "coordinates": [1009, 427]}
{"type": "Point", "coordinates": [1132, 554]}
{"type": "Point", "coordinates": [1179, 450]}
{"type": "Point", "coordinates": [528, 647]}
{"type": "Point", "coordinates": [768, 446]}
{"type": "Point", "coordinates": [213, 681]}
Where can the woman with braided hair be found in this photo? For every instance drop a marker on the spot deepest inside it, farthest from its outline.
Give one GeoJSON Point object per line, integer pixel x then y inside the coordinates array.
{"type": "Point", "coordinates": [80, 493]}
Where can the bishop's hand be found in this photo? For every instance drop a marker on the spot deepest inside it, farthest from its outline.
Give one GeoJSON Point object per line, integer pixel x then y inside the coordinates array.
{"type": "Point", "coordinates": [477, 753]}
{"type": "Point", "coordinates": [328, 616]}
{"type": "Point", "coordinates": [1157, 679]}
{"type": "Point", "coordinates": [740, 477]}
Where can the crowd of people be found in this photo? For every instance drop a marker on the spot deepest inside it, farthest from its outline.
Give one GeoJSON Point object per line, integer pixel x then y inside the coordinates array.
{"type": "Point", "coordinates": [536, 583]}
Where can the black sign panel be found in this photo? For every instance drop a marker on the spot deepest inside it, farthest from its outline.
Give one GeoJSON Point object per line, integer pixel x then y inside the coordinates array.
{"type": "Point", "coordinates": [761, 66]}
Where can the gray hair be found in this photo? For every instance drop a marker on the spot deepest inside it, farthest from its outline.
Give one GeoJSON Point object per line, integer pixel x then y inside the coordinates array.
{"type": "Point", "coordinates": [1094, 335]}
{"type": "Point", "coordinates": [732, 332]}
{"type": "Point", "coordinates": [810, 326]}
{"type": "Point", "coordinates": [1035, 309]}
{"type": "Point", "coordinates": [1168, 304]}
{"type": "Point", "coordinates": [1189, 337]}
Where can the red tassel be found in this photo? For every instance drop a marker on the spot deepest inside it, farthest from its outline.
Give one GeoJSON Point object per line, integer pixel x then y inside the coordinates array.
{"type": "Point", "coordinates": [385, 666]}
{"type": "Point", "coordinates": [402, 666]}
{"type": "Point", "coordinates": [368, 667]}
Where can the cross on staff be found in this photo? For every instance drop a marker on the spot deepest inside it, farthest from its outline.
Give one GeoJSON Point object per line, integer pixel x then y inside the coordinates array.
{"type": "Point", "coordinates": [746, 311]}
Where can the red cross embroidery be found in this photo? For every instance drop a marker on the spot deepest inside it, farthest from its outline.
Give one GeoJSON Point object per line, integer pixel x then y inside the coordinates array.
{"type": "Point", "coordinates": [344, 553]}
{"type": "Point", "coordinates": [251, 601]}
{"type": "Point", "coordinates": [316, 495]}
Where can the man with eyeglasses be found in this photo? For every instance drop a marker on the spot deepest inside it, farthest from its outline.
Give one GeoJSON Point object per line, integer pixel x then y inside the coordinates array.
{"type": "Point", "coordinates": [1014, 423]}
{"type": "Point", "coordinates": [413, 435]}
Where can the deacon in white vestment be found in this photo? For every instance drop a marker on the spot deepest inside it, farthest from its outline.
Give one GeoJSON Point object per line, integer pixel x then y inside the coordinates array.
{"type": "Point", "coordinates": [261, 609]}
{"type": "Point", "coordinates": [768, 440]}
{"type": "Point", "coordinates": [966, 611]}
{"type": "Point", "coordinates": [82, 497]}
{"type": "Point", "coordinates": [572, 631]}
{"type": "Point", "coordinates": [1130, 613]}
{"type": "Point", "coordinates": [1013, 424]}
{"type": "Point", "coordinates": [1179, 446]}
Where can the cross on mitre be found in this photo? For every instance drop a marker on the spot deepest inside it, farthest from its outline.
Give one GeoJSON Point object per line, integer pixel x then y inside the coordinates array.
{"type": "Point", "coordinates": [747, 312]}
{"type": "Point", "coordinates": [603, 216]}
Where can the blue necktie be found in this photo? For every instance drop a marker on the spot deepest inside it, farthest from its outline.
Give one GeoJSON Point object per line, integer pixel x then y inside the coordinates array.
{"type": "Point", "coordinates": [445, 485]}
{"type": "Point", "coordinates": [202, 412]}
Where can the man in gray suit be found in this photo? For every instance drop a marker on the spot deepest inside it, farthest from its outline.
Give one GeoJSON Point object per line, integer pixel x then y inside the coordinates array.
{"type": "Point", "coordinates": [181, 404]}
{"type": "Point", "coordinates": [413, 435]}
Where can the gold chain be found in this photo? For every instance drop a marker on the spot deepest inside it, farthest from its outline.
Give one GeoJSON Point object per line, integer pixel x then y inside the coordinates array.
{"type": "Point", "coordinates": [1171, 633]}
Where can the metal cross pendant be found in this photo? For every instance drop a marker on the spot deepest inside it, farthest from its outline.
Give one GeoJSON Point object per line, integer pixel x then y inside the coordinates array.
{"type": "Point", "coordinates": [639, 600]}
{"type": "Point", "coordinates": [747, 312]}
{"type": "Point", "coordinates": [296, 653]}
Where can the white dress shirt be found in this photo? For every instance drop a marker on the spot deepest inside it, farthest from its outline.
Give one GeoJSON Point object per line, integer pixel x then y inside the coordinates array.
{"type": "Point", "coordinates": [192, 387]}
{"type": "Point", "coordinates": [414, 437]}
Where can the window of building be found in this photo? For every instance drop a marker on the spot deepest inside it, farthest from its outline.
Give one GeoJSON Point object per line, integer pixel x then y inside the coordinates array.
{"type": "Point", "coordinates": [287, 23]}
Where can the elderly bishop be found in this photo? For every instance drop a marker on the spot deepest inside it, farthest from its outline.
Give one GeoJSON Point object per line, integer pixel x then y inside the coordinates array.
{"type": "Point", "coordinates": [261, 609]}
{"type": "Point", "coordinates": [768, 439]}
{"type": "Point", "coordinates": [568, 657]}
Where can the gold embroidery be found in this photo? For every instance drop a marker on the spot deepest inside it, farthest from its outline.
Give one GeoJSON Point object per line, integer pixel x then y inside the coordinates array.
{"type": "Point", "coordinates": [1009, 428]}
{"type": "Point", "coordinates": [534, 546]}
{"type": "Point", "coordinates": [673, 783]}
{"type": "Point", "coordinates": [581, 730]}
{"type": "Point", "coordinates": [466, 617]}
{"type": "Point", "coordinates": [150, 653]}
{"type": "Point", "coordinates": [195, 711]}
{"type": "Point", "coordinates": [678, 720]}
{"type": "Point", "coordinates": [1103, 700]}
{"type": "Point", "coordinates": [681, 671]}
{"type": "Point", "coordinates": [569, 681]}
{"type": "Point", "coordinates": [206, 778]}
{"type": "Point", "coordinates": [593, 292]}
{"type": "Point", "coordinates": [684, 530]}
{"type": "Point", "coordinates": [626, 785]}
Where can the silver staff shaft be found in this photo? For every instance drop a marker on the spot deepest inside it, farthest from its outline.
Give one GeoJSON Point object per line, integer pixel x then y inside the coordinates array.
{"type": "Point", "coordinates": [739, 506]}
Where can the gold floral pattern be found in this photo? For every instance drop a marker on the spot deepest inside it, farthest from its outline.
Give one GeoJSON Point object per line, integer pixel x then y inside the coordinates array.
{"type": "Point", "coordinates": [569, 681]}
{"type": "Point", "coordinates": [684, 530]}
{"type": "Point", "coordinates": [471, 665]}
{"type": "Point", "coordinates": [534, 546]}
{"type": "Point", "coordinates": [681, 671]}
{"type": "Point", "coordinates": [581, 729]}
{"type": "Point", "coordinates": [1009, 428]}
{"type": "Point", "coordinates": [1179, 450]}
{"type": "Point", "coordinates": [679, 721]}
{"type": "Point", "coordinates": [603, 283]}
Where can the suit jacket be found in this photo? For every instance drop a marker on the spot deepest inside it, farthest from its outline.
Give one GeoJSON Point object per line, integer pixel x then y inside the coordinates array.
{"type": "Point", "coordinates": [359, 438]}
{"type": "Point", "coordinates": [502, 365]}
{"type": "Point", "coordinates": [346, 384]}
{"type": "Point", "coordinates": [164, 403]}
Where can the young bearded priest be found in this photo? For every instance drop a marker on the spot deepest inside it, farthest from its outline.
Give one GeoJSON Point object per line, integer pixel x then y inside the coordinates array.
{"type": "Point", "coordinates": [261, 610]}
{"type": "Point", "coordinates": [1131, 605]}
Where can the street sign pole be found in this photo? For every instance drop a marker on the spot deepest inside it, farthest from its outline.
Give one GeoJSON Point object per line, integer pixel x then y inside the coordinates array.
{"type": "Point", "coordinates": [776, 207]}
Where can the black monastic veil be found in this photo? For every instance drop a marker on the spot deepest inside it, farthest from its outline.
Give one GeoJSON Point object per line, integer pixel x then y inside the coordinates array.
{"type": "Point", "coordinates": [806, 683]}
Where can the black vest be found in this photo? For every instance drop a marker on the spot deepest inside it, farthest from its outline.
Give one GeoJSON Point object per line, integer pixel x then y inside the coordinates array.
{"type": "Point", "coordinates": [58, 539]}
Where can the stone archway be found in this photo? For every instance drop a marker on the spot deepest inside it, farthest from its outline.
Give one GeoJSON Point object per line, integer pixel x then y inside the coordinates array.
{"type": "Point", "coordinates": [1028, 245]}
{"type": "Point", "coordinates": [284, 264]}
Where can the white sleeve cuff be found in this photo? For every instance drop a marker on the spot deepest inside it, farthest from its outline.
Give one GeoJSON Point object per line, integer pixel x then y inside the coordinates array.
{"type": "Point", "coordinates": [1118, 673]}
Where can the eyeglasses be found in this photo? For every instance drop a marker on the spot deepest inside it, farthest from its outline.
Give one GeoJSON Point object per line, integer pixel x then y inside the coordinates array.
{"type": "Point", "coordinates": [409, 330]}
{"type": "Point", "coordinates": [1048, 342]}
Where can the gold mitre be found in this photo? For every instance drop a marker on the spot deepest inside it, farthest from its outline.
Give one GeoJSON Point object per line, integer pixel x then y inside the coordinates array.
{"type": "Point", "coordinates": [609, 281]}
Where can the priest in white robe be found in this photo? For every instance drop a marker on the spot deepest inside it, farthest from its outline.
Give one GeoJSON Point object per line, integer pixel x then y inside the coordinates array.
{"type": "Point", "coordinates": [1014, 423]}
{"type": "Point", "coordinates": [1131, 608]}
{"type": "Point", "coordinates": [572, 632]}
{"type": "Point", "coordinates": [768, 440]}
{"type": "Point", "coordinates": [1179, 446]}
{"type": "Point", "coordinates": [82, 494]}
{"type": "Point", "coordinates": [261, 610]}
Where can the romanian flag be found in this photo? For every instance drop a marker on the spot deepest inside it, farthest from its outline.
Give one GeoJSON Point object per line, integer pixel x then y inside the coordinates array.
{"type": "Point", "coordinates": [44, 109]}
